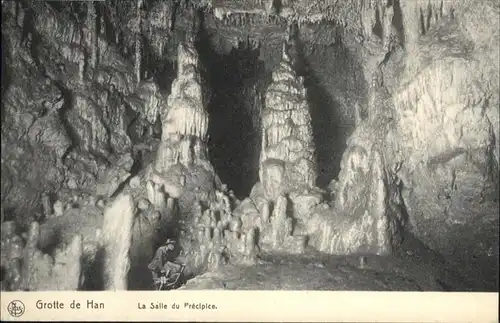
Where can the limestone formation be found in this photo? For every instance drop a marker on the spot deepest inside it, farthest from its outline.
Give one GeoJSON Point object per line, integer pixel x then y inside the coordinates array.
{"type": "Point", "coordinates": [28, 268]}
{"type": "Point", "coordinates": [46, 205]}
{"type": "Point", "coordinates": [156, 195]}
{"type": "Point", "coordinates": [117, 239]}
{"type": "Point", "coordinates": [275, 224]}
{"type": "Point", "coordinates": [287, 159]}
{"type": "Point", "coordinates": [221, 238]}
{"type": "Point", "coordinates": [185, 124]}
{"type": "Point", "coordinates": [362, 220]}
{"type": "Point", "coordinates": [277, 234]}
{"type": "Point", "coordinates": [112, 179]}
{"type": "Point", "coordinates": [12, 246]}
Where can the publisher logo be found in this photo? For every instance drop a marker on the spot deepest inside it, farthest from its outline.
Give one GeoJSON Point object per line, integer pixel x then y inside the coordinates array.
{"type": "Point", "coordinates": [16, 308]}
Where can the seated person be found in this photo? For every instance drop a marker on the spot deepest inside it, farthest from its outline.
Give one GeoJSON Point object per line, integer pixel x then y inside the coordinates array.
{"type": "Point", "coordinates": [163, 265]}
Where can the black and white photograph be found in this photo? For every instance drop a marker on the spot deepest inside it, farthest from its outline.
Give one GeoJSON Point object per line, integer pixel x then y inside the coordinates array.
{"type": "Point", "coordinates": [293, 145]}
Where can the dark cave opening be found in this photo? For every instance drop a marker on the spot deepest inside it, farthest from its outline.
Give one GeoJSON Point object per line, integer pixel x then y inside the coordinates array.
{"type": "Point", "coordinates": [422, 22]}
{"type": "Point", "coordinates": [93, 279]}
{"type": "Point", "coordinates": [325, 68]}
{"type": "Point", "coordinates": [397, 21]}
{"type": "Point", "coordinates": [234, 81]}
{"type": "Point", "coordinates": [326, 129]}
{"type": "Point", "coordinates": [67, 96]}
{"type": "Point", "coordinates": [377, 27]}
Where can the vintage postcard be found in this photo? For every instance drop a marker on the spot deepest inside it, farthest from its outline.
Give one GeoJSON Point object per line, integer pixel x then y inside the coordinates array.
{"type": "Point", "coordinates": [250, 160]}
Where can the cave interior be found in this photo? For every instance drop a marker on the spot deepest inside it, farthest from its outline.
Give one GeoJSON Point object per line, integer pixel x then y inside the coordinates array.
{"type": "Point", "coordinates": [292, 140]}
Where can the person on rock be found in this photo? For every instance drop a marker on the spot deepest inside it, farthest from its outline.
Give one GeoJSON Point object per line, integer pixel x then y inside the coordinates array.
{"type": "Point", "coordinates": [163, 265]}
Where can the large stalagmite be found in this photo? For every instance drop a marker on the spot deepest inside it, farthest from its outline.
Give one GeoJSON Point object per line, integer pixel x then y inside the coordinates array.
{"type": "Point", "coordinates": [182, 170]}
{"type": "Point", "coordinates": [185, 121]}
{"type": "Point", "coordinates": [287, 159]}
{"type": "Point", "coordinates": [182, 151]}
{"type": "Point", "coordinates": [365, 217]}
{"type": "Point", "coordinates": [117, 230]}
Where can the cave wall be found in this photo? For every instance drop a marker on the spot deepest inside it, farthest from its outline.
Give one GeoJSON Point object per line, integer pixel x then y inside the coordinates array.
{"type": "Point", "coordinates": [434, 106]}
{"type": "Point", "coordinates": [72, 119]}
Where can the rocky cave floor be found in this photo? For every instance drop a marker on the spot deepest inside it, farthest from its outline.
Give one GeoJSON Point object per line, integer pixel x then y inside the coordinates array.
{"type": "Point", "coordinates": [412, 268]}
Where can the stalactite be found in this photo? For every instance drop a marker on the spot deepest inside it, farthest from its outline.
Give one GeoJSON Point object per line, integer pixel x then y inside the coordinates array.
{"type": "Point", "coordinates": [138, 42]}
{"type": "Point", "coordinates": [387, 26]}
{"type": "Point", "coordinates": [46, 205]}
{"type": "Point", "coordinates": [92, 26]}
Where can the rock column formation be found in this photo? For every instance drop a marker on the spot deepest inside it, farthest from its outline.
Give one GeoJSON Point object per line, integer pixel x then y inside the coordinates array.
{"type": "Point", "coordinates": [182, 170]}
{"type": "Point", "coordinates": [186, 122]}
{"type": "Point", "coordinates": [117, 229]}
{"type": "Point", "coordinates": [184, 127]}
{"type": "Point", "coordinates": [287, 158]}
{"type": "Point", "coordinates": [30, 269]}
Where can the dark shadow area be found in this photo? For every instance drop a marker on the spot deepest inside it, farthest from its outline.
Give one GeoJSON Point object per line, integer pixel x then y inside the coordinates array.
{"type": "Point", "coordinates": [422, 22]}
{"type": "Point", "coordinates": [328, 132]}
{"type": "Point", "coordinates": [158, 67]}
{"type": "Point", "coordinates": [460, 269]}
{"type": "Point", "coordinates": [397, 21]}
{"type": "Point", "coordinates": [93, 269]}
{"type": "Point", "coordinates": [67, 96]}
{"type": "Point", "coordinates": [234, 138]}
{"type": "Point", "coordinates": [50, 246]}
{"type": "Point", "coordinates": [414, 250]}
{"type": "Point", "coordinates": [3, 274]}
{"type": "Point", "coordinates": [377, 27]}
{"type": "Point", "coordinates": [136, 125]}
{"type": "Point", "coordinates": [277, 6]}
{"type": "Point", "coordinates": [164, 73]}
{"type": "Point", "coordinates": [108, 28]}
{"type": "Point", "coordinates": [140, 276]}
{"type": "Point", "coordinates": [429, 17]}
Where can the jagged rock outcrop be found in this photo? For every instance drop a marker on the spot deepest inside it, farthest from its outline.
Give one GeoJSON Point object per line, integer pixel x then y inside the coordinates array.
{"type": "Point", "coordinates": [113, 178]}
{"type": "Point", "coordinates": [75, 116]}
{"type": "Point", "coordinates": [31, 130]}
{"type": "Point", "coordinates": [277, 229]}
{"type": "Point", "coordinates": [366, 216]}
{"type": "Point", "coordinates": [27, 268]}
{"type": "Point", "coordinates": [432, 119]}
{"type": "Point", "coordinates": [287, 159]}
{"type": "Point", "coordinates": [447, 112]}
